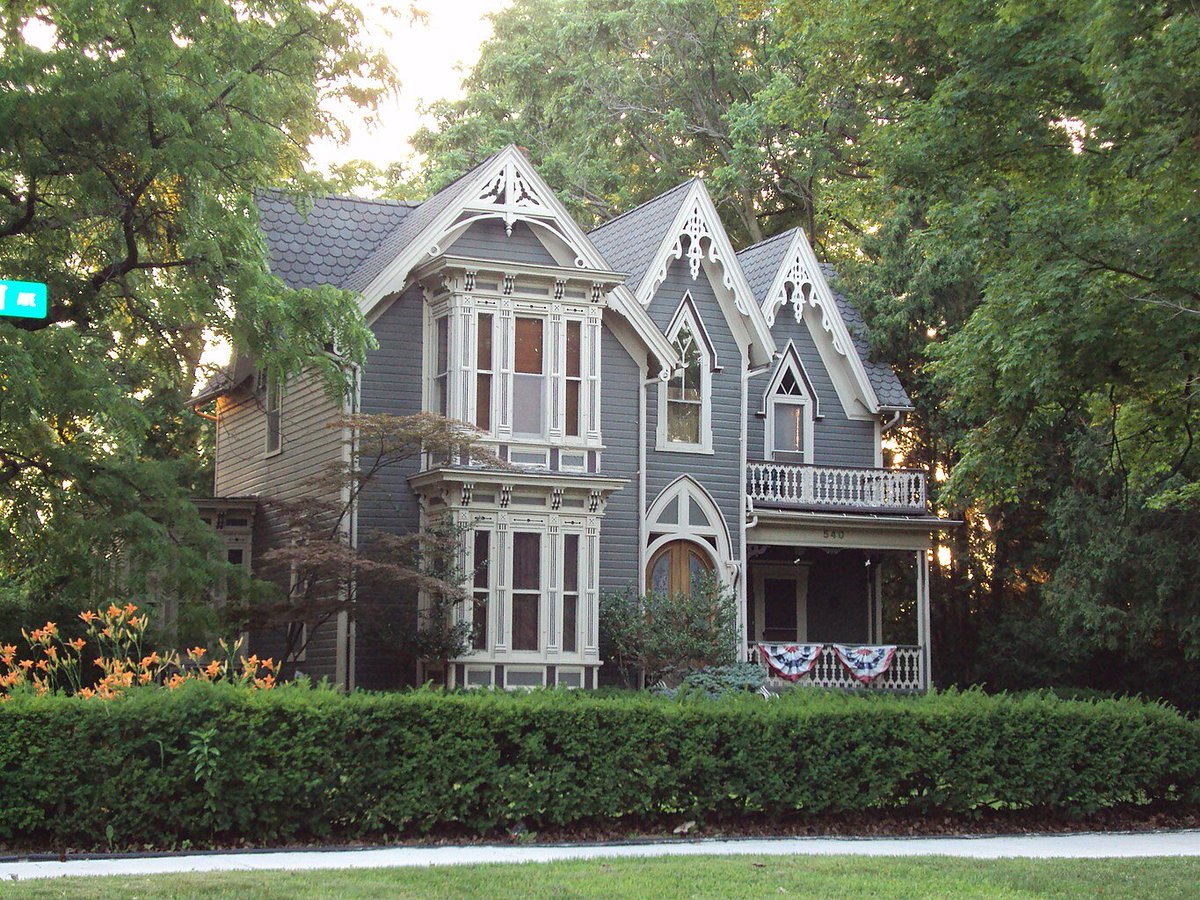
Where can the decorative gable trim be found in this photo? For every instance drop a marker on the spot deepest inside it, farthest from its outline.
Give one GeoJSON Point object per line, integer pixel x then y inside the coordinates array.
{"type": "Point", "coordinates": [698, 221]}
{"type": "Point", "coordinates": [799, 281]}
{"type": "Point", "coordinates": [509, 188]}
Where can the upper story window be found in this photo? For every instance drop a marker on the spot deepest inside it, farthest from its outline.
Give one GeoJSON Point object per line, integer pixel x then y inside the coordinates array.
{"type": "Point", "coordinates": [441, 366]}
{"type": "Point", "coordinates": [574, 376]}
{"type": "Point", "coordinates": [485, 370]}
{"type": "Point", "coordinates": [529, 378]}
{"type": "Point", "coordinates": [271, 388]}
{"type": "Point", "coordinates": [685, 408]}
{"type": "Point", "coordinates": [790, 412]}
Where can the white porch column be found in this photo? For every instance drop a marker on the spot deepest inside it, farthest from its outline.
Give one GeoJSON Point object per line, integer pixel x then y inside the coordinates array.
{"type": "Point", "coordinates": [923, 616]}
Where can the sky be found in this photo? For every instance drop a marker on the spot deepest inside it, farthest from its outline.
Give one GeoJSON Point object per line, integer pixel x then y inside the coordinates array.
{"type": "Point", "coordinates": [430, 60]}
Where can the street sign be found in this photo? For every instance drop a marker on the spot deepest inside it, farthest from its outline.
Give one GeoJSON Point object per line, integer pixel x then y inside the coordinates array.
{"type": "Point", "coordinates": [25, 299]}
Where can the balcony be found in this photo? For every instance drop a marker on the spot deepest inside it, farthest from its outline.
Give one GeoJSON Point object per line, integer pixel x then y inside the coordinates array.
{"type": "Point", "coordinates": [792, 485]}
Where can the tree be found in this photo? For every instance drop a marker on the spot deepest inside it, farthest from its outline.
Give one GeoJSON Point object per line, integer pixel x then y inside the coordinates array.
{"type": "Point", "coordinates": [618, 101]}
{"type": "Point", "coordinates": [135, 136]}
{"type": "Point", "coordinates": [326, 573]}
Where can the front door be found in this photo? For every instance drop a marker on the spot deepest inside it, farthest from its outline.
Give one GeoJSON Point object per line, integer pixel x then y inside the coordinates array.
{"type": "Point", "coordinates": [779, 594]}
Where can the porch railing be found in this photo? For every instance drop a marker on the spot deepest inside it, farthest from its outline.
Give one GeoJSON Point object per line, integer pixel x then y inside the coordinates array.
{"type": "Point", "coordinates": [904, 674]}
{"type": "Point", "coordinates": [794, 484]}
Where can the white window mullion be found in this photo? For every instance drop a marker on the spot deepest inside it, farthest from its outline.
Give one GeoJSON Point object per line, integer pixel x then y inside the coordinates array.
{"type": "Point", "coordinates": [555, 345]}
{"type": "Point", "coordinates": [502, 562]}
{"type": "Point", "coordinates": [506, 323]}
{"type": "Point", "coordinates": [463, 350]}
{"type": "Point", "coordinates": [551, 594]}
{"type": "Point", "coordinates": [591, 372]}
{"type": "Point", "coordinates": [590, 550]}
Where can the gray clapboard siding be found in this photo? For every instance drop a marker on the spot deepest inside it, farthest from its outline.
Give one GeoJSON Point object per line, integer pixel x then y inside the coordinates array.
{"type": "Point", "coordinates": [619, 535]}
{"type": "Point", "coordinates": [391, 384]}
{"type": "Point", "coordinates": [720, 472]}
{"type": "Point", "coordinates": [309, 448]}
{"type": "Point", "coordinates": [488, 240]}
{"type": "Point", "coordinates": [837, 440]}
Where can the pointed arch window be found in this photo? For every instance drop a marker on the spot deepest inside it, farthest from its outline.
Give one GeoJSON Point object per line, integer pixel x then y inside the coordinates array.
{"type": "Point", "coordinates": [791, 410]}
{"type": "Point", "coordinates": [685, 413]}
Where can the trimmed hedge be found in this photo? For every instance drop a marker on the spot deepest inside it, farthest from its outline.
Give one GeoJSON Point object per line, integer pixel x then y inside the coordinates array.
{"type": "Point", "coordinates": [214, 763]}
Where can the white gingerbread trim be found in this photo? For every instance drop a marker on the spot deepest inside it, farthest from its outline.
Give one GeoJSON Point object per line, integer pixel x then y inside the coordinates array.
{"type": "Point", "coordinates": [799, 281]}
{"type": "Point", "coordinates": [698, 221]}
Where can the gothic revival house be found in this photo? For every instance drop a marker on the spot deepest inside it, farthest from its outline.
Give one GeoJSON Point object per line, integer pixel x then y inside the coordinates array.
{"type": "Point", "coordinates": [667, 407]}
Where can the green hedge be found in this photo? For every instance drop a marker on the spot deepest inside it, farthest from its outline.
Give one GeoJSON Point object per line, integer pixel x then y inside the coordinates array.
{"type": "Point", "coordinates": [216, 763]}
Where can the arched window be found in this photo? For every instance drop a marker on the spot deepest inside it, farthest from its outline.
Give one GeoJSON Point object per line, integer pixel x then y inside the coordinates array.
{"type": "Point", "coordinates": [684, 413]}
{"type": "Point", "coordinates": [677, 567]}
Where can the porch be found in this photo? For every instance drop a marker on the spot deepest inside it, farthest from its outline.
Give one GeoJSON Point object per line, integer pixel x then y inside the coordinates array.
{"type": "Point", "coordinates": [831, 590]}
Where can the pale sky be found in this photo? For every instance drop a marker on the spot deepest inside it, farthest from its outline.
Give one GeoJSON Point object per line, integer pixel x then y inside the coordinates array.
{"type": "Point", "coordinates": [430, 61]}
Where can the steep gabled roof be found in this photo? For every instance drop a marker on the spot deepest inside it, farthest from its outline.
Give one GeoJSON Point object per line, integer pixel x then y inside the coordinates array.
{"type": "Point", "coordinates": [318, 240]}
{"type": "Point", "coordinates": [411, 228]}
{"type": "Point", "coordinates": [628, 242]}
{"type": "Point", "coordinates": [762, 264]}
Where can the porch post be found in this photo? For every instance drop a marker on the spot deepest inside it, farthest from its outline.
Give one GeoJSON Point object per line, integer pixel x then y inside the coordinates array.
{"type": "Point", "coordinates": [923, 616]}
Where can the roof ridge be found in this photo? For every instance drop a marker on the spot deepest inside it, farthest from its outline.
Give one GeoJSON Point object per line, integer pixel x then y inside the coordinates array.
{"type": "Point", "coordinates": [654, 199]}
{"type": "Point", "coordinates": [378, 201]}
{"type": "Point", "coordinates": [768, 241]}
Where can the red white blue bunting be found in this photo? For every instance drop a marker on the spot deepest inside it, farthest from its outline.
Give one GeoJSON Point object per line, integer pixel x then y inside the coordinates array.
{"type": "Point", "coordinates": [865, 664]}
{"type": "Point", "coordinates": [790, 661]}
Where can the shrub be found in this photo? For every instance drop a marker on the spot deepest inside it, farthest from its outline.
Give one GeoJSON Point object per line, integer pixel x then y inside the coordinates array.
{"type": "Point", "coordinates": [668, 636]}
{"type": "Point", "coordinates": [221, 763]}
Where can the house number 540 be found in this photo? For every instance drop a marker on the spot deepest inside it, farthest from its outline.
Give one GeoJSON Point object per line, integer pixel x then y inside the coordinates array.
{"type": "Point", "coordinates": [837, 534]}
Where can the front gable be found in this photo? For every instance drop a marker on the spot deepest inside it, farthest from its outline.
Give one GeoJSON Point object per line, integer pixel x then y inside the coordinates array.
{"type": "Point", "coordinates": [696, 239]}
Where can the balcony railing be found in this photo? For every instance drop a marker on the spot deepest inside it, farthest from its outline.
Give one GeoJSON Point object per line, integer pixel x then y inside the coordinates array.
{"type": "Point", "coordinates": [904, 674]}
{"type": "Point", "coordinates": [824, 487]}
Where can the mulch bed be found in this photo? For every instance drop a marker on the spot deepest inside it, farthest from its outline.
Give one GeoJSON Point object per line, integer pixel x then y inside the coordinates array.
{"type": "Point", "coordinates": [865, 824]}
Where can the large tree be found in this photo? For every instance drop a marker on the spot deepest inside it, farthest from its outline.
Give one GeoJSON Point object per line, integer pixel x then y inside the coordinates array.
{"type": "Point", "coordinates": [134, 136]}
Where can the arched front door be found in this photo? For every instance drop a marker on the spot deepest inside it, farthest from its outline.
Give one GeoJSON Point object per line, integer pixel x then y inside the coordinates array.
{"type": "Point", "coordinates": [677, 567]}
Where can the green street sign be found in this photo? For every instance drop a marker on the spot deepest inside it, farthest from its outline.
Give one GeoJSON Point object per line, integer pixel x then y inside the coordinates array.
{"type": "Point", "coordinates": [25, 299]}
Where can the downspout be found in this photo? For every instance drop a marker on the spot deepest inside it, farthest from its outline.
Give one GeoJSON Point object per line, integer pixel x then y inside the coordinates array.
{"type": "Point", "coordinates": [893, 421]}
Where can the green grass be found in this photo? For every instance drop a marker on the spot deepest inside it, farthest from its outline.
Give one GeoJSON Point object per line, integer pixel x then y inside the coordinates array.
{"type": "Point", "coordinates": [709, 876]}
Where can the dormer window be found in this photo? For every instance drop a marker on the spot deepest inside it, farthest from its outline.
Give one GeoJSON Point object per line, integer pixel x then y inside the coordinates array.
{"type": "Point", "coordinates": [685, 414]}
{"type": "Point", "coordinates": [790, 411]}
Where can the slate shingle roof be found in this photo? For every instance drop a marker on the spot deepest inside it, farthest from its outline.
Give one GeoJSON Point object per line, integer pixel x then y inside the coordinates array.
{"type": "Point", "coordinates": [761, 264]}
{"type": "Point", "coordinates": [629, 241]}
{"type": "Point", "coordinates": [389, 248]}
{"type": "Point", "coordinates": [321, 240]}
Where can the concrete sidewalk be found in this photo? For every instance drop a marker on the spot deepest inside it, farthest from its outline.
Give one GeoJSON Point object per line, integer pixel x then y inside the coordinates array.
{"type": "Point", "coordinates": [1070, 846]}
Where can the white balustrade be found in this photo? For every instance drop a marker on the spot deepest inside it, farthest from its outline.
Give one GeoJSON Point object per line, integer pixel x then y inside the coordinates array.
{"type": "Point", "coordinates": [904, 674]}
{"type": "Point", "coordinates": [791, 484]}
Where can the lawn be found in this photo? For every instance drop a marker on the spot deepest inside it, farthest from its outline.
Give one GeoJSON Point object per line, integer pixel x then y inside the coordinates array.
{"type": "Point", "coordinates": [710, 876]}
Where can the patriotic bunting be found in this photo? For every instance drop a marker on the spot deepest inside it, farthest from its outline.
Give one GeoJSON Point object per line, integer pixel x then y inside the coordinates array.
{"type": "Point", "coordinates": [790, 661]}
{"type": "Point", "coordinates": [865, 664]}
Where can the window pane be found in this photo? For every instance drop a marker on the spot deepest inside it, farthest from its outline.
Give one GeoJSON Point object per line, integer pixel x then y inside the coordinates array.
{"type": "Point", "coordinates": [683, 422]}
{"type": "Point", "coordinates": [482, 544]}
{"type": "Point", "coordinates": [443, 345]}
{"type": "Point", "coordinates": [235, 556]}
{"type": "Point", "coordinates": [483, 402]}
{"type": "Point", "coordinates": [479, 624]}
{"type": "Point", "coordinates": [525, 621]}
{"type": "Point", "coordinates": [574, 364]}
{"type": "Point", "coordinates": [660, 575]}
{"type": "Point", "coordinates": [528, 417]}
{"type": "Point", "coordinates": [483, 343]}
{"type": "Point", "coordinates": [527, 561]}
{"type": "Point", "coordinates": [570, 622]}
{"type": "Point", "coordinates": [573, 408]}
{"type": "Point", "coordinates": [571, 563]}
{"type": "Point", "coordinates": [529, 346]}
{"type": "Point", "coordinates": [789, 427]}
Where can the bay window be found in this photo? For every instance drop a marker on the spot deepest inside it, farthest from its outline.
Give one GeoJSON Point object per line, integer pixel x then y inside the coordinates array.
{"type": "Point", "coordinates": [480, 590]}
{"type": "Point", "coordinates": [574, 373]}
{"type": "Point", "coordinates": [441, 367]}
{"type": "Point", "coordinates": [526, 590]}
{"type": "Point", "coordinates": [570, 594]}
{"type": "Point", "coordinates": [484, 371]}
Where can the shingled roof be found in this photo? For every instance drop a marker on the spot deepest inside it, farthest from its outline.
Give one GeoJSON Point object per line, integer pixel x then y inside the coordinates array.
{"type": "Point", "coordinates": [318, 240]}
{"type": "Point", "coordinates": [629, 241]}
{"type": "Point", "coordinates": [761, 264]}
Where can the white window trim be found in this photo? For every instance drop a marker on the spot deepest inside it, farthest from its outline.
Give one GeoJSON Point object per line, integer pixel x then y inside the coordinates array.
{"type": "Point", "coordinates": [790, 363]}
{"type": "Point", "coordinates": [267, 381]}
{"type": "Point", "coordinates": [688, 315]}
